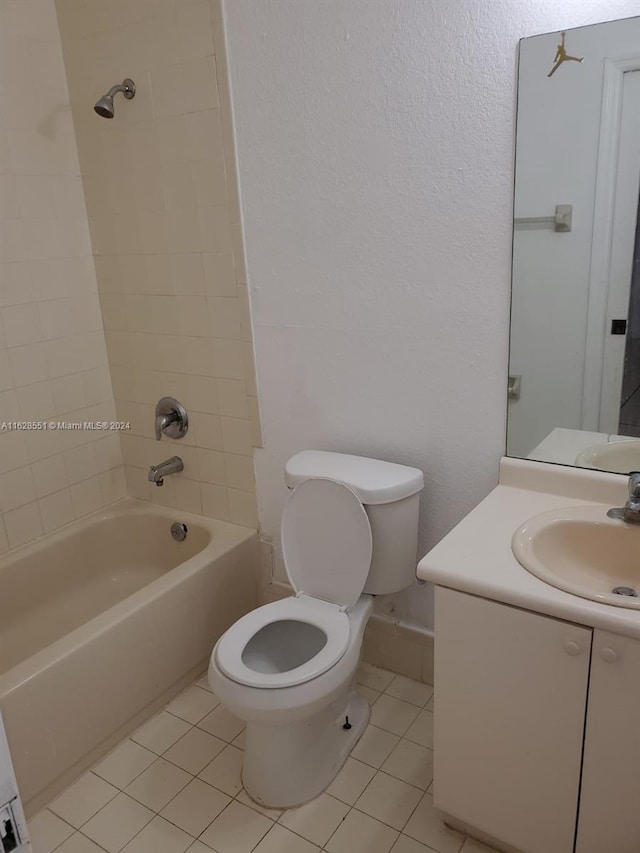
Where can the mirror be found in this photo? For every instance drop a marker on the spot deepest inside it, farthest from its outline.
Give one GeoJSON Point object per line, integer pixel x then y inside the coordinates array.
{"type": "Point", "coordinates": [574, 367]}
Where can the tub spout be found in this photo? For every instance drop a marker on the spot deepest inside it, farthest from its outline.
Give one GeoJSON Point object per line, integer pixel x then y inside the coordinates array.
{"type": "Point", "coordinates": [157, 473]}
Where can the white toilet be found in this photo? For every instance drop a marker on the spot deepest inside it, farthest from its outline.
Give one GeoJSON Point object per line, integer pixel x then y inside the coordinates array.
{"type": "Point", "coordinates": [349, 531]}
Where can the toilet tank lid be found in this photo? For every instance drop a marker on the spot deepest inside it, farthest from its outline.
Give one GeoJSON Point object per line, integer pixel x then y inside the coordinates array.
{"type": "Point", "coordinates": [374, 481]}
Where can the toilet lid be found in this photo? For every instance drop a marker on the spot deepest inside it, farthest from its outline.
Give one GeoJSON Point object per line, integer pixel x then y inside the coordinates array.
{"type": "Point", "coordinates": [326, 541]}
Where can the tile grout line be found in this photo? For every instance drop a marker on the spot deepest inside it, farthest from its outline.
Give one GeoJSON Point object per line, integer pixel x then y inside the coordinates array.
{"type": "Point", "coordinates": [235, 798]}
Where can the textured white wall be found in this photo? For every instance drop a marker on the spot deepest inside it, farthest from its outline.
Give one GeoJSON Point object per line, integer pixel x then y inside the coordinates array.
{"type": "Point", "coordinates": [375, 145]}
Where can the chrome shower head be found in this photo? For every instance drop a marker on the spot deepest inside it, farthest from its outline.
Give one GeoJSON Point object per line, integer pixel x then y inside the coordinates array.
{"type": "Point", "coordinates": [104, 105]}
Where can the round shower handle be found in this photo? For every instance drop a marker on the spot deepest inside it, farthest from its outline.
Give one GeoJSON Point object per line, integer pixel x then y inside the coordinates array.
{"type": "Point", "coordinates": [171, 418]}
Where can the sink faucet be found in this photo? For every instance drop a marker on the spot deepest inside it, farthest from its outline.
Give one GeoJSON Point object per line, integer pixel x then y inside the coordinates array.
{"type": "Point", "coordinates": [157, 473]}
{"type": "Point", "coordinates": [630, 512]}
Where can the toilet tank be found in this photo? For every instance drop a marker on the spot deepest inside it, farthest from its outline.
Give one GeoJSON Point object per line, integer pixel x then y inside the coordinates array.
{"type": "Point", "coordinates": [390, 494]}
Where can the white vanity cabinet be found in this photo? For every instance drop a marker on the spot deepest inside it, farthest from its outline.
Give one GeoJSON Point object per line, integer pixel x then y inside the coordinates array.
{"type": "Point", "coordinates": [610, 798]}
{"type": "Point", "coordinates": [511, 689]}
{"type": "Point", "coordinates": [537, 728]}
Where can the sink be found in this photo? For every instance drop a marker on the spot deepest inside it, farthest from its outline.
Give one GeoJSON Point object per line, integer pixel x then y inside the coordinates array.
{"type": "Point", "coordinates": [620, 457]}
{"type": "Point", "coordinates": [582, 551]}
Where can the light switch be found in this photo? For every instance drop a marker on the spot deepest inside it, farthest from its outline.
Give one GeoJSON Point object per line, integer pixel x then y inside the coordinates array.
{"type": "Point", "coordinates": [9, 836]}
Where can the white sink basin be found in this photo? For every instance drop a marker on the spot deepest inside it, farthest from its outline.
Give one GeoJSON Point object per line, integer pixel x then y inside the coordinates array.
{"type": "Point", "coordinates": [582, 551]}
{"type": "Point", "coordinates": [621, 457]}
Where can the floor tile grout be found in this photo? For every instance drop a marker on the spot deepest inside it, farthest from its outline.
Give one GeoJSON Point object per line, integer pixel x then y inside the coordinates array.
{"type": "Point", "coordinates": [397, 684]}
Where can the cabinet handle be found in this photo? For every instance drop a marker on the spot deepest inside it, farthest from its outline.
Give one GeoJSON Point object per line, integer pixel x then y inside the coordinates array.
{"type": "Point", "coordinates": [572, 648]}
{"type": "Point", "coordinates": [608, 654]}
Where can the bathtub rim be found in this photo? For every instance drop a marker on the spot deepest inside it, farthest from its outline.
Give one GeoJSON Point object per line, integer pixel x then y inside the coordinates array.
{"type": "Point", "coordinates": [225, 536]}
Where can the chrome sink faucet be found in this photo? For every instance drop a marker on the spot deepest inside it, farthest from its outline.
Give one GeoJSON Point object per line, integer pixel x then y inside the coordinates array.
{"type": "Point", "coordinates": [630, 512]}
{"type": "Point", "coordinates": [157, 473]}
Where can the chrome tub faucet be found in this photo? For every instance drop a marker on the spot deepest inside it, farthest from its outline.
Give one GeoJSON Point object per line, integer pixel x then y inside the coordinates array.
{"type": "Point", "coordinates": [630, 512]}
{"type": "Point", "coordinates": [157, 473]}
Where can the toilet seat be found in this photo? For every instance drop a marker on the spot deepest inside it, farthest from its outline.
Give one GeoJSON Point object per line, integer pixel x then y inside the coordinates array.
{"type": "Point", "coordinates": [332, 621]}
{"type": "Point", "coordinates": [327, 547]}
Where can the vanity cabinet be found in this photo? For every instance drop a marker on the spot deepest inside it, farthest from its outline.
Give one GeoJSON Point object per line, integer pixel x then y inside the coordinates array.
{"type": "Point", "coordinates": [509, 720]}
{"type": "Point", "coordinates": [610, 797]}
{"type": "Point", "coordinates": [537, 728]}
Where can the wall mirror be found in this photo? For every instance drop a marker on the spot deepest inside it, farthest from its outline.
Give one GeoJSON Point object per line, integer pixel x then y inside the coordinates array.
{"type": "Point", "coordinates": [574, 368]}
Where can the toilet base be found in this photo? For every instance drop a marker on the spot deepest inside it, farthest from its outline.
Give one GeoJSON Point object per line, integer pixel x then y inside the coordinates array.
{"type": "Point", "coordinates": [288, 765]}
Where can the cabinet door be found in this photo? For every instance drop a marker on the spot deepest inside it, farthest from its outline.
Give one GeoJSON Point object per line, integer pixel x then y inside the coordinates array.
{"type": "Point", "coordinates": [609, 815]}
{"type": "Point", "coordinates": [511, 689]}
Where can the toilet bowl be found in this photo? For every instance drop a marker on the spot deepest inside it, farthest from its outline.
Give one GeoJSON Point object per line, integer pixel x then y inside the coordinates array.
{"type": "Point", "coordinates": [288, 668]}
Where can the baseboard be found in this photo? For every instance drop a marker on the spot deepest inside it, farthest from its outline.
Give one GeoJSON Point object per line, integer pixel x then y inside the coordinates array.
{"type": "Point", "coordinates": [391, 645]}
{"type": "Point", "coordinates": [398, 648]}
{"type": "Point", "coordinates": [477, 834]}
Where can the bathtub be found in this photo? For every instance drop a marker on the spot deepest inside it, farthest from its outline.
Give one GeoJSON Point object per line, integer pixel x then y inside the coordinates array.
{"type": "Point", "coordinates": [102, 622]}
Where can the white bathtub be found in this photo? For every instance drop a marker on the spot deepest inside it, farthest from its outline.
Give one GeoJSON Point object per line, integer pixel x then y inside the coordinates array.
{"type": "Point", "coordinates": [102, 622]}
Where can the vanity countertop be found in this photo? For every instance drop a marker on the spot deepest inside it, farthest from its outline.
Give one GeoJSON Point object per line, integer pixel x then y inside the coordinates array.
{"type": "Point", "coordinates": [476, 556]}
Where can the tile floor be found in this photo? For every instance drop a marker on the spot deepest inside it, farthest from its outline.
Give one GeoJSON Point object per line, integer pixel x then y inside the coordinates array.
{"type": "Point", "coordinates": [174, 786]}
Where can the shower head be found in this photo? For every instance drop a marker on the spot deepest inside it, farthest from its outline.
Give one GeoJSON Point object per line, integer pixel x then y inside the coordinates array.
{"type": "Point", "coordinates": [104, 105]}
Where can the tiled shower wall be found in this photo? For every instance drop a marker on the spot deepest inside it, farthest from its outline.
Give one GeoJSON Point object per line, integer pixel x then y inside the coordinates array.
{"type": "Point", "coordinates": [159, 182]}
{"type": "Point", "coordinates": [53, 360]}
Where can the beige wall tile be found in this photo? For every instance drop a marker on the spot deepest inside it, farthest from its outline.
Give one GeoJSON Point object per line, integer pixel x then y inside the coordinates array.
{"type": "Point", "coordinates": [160, 188]}
{"type": "Point", "coordinates": [53, 357]}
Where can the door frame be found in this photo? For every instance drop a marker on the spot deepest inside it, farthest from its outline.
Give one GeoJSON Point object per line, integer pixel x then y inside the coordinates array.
{"type": "Point", "coordinates": [603, 215]}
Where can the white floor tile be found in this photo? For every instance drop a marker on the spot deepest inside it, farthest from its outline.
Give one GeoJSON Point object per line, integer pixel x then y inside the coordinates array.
{"type": "Point", "coordinates": [246, 800]}
{"type": "Point", "coordinates": [117, 823]}
{"type": "Point", "coordinates": [404, 844]}
{"type": "Point", "coordinates": [374, 676]}
{"type": "Point", "coordinates": [237, 830]}
{"type": "Point", "coordinates": [126, 762]}
{"type": "Point", "coordinates": [351, 781]}
{"type": "Point", "coordinates": [318, 820]}
{"type": "Point", "coordinates": [375, 746]}
{"type": "Point", "coordinates": [195, 807]}
{"type": "Point", "coordinates": [369, 693]}
{"type": "Point", "coordinates": [430, 704]}
{"type": "Point", "coordinates": [421, 730]}
{"type": "Point", "coordinates": [473, 846]}
{"type": "Point", "coordinates": [426, 826]}
{"type": "Point", "coordinates": [203, 682]}
{"type": "Point", "coordinates": [159, 836]}
{"type": "Point", "coordinates": [193, 704]}
{"type": "Point", "coordinates": [48, 831]}
{"type": "Point", "coordinates": [393, 715]}
{"type": "Point", "coordinates": [240, 740]}
{"type": "Point", "coordinates": [359, 833]}
{"type": "Point", "coordinates": [77, 843]}
{"type": "Point", "coordinates": [224, 772]}
{"type": "Point", "coordinates": [199, 847]}
{"type": "Point", "coordinates": [280, 840]}
{"type": "Point", "coordinates": [222, 724]}
{"type": "Point", "coordinates": [194, 750]}
{"type": "Point", "coordinates": [83, 799]}
{"type": "Point", "coordinates": [412, 763]}
{"type": "Point", "coordinates": [158, 784]}
{"type": "Point", "coordinates": [409, 690]}
{"type": "Point", "coordinates": [389, 799]}
{"type": "Point", "coordinates": [160, 732]}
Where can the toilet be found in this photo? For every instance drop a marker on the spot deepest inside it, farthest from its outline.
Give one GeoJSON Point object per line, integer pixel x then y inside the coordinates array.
{"type": "Point", "coordinates": [349, 532]}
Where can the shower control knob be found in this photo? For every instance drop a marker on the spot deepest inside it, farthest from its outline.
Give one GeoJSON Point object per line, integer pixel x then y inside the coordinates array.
{"type": "Point", "coordinates": [171, 419]}
{"type": "Point", "coordinates": [608, 654]}
{"type": "Point", "coordinates": [572, 648]}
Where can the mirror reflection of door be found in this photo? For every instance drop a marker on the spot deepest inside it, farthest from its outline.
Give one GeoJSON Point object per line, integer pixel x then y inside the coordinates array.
{"type": "Point", "coordinates": [619, 404]}
{"type": "Point", "coordinates": [630, 399]}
